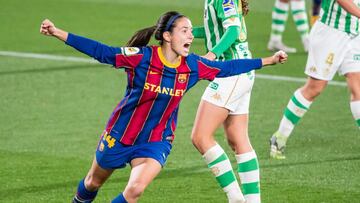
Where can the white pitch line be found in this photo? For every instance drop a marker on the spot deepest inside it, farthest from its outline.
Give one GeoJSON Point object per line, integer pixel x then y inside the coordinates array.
{"type": "Point", "coordinates": [46, 56]}
{"type": "Point", "coordinates": [80, 59]}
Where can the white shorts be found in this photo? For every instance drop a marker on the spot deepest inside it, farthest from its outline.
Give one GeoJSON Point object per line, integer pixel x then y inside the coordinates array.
{"type": "Point", "coordinates": [332, 51]}
{"type": "Point", "coordinates": [232, 93]}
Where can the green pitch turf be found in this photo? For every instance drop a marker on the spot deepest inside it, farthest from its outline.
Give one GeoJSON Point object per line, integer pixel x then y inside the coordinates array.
{"type": "Point", "coordinates": [53, 112]}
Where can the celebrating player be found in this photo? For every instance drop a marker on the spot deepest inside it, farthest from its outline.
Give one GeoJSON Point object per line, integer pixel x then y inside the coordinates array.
{"type": "Point", "coordinates": [226, 100]}
{"type": "Point", "coordinates": [334, 47]}
{"type": "Point", "coordinates": [141, 128]}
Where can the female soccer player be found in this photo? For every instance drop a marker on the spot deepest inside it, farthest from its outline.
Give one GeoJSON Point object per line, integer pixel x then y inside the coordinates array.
{"type": "Point", "coordinates": [226, 100]}
{"type": "Point", "coordinates": [334, 47]}
{"type": "Point", "coordinates": [141, 128]}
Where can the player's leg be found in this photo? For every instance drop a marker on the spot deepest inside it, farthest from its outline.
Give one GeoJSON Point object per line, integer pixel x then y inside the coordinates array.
{"type": "Point", "coordinates": [297, 106]}
{"type": "Point", "coordinates": [279, 18]}
{"type": "Point", "coordinates": [351, 69]}
{"type": "Point", "coordinates": [236, 128]}
{"type": "Point", "coordinates": [208, 118]}
{"type": "Point", "coordinates": [353, 81]}
{"type": "Point", "coordinates": [88, 187]}
{"type": "Point", "coordinates": [143, 172]}
{"type": "Point", "coordinates": [298, 11]}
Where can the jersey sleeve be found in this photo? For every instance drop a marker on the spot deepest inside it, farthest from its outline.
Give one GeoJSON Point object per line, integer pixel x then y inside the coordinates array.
{"type": "Point", "coordinates": [208, 70]}
{"type": "Point", "coordinates": [116, 56]}
{"type": "Point", "coordinates": [229, 37]}
{"type": "Point", "coordinates": [227, 12]}
{"type": "Point", "coordinates": [198, 32]}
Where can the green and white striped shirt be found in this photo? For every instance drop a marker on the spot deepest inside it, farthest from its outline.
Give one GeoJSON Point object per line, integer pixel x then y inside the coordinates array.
{"type": "Point", "coordinates": [218, 16]}
{"type": "Point", "coordinates": [333, 15]}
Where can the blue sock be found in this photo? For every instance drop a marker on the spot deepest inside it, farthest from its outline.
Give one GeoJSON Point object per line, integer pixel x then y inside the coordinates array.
{"type": "Point", "coordinates": [83, 195]}
{"type": "Point", "coordinates": [119, 199]}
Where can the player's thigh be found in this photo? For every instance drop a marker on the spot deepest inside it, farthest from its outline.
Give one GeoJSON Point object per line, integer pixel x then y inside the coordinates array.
{"type": "Point", "coordinates": [208, 118]}
{"type": "Point", "coordinates": [236, 128]}
{"type": "Point", "coordinates": [143, 171]}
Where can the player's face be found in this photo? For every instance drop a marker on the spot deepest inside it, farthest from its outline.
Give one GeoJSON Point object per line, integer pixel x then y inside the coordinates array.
{"type": "Point", "coordinates": [182, 37]}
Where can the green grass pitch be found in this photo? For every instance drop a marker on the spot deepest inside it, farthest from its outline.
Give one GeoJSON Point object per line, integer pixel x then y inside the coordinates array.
{"type": "Point", "coordinates": [53, 112]}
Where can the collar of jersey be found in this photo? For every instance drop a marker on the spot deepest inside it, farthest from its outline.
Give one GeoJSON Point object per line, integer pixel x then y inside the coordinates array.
{"type": "Point", "coordinates": [166, 62]}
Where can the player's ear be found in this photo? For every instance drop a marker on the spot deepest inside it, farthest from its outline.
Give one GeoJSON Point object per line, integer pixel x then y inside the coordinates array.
{"type": "Point", "coordinates": [167, 36]}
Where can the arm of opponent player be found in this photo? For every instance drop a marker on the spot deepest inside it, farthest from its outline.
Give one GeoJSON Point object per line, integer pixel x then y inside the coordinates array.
{"type": "Point", "coordinates": [350, 7]}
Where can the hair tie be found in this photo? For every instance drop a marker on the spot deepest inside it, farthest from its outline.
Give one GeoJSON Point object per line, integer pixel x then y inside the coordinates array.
{"type": "Point", "coordinates": [171, 21]}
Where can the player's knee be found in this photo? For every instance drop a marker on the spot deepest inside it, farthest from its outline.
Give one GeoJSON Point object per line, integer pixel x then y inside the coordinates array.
{"type": "Point", "coordinates": [311, 91]}
{"type": "Point", "coordinates": [92, 183]}
{"type": "Point", "coordinates": [195, 138]}
{"type": "Point", "coordinates": [135, 190]}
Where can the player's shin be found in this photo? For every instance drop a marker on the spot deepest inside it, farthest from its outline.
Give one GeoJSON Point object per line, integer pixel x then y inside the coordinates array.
{"type": "Point", "coordinates": [248, 169]}
{"type": "Point", "coordinates": [279, 18]}
{"type": "Point", "coordinates": [83, 195]}
{"type": "Point", "coordinates": [295, 110]}
{"type": "Point", "coordinates": [220, 165]}
{"type": "Point", "coordinates": [298, 12]}
{"type": "Point", "coordinates": [355, 109]}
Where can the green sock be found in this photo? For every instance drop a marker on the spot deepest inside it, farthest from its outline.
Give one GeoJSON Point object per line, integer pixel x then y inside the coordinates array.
{"type": "Point", "coordinates": [220, 166]}
{"type": "Point", "coordinates": [248, 169]}
{"type": "Point", "coordinates": [355, 109]}
{"type": "Point", "coordinates": [295, 110]}
{"type": "Point", "coordinates": [279, 18]}
{"type": "Point", "coordinates": [298, 12]}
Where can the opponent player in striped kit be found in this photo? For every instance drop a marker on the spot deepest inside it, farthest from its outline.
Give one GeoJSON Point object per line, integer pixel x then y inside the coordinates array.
{"type": "Point", "coordinates": [141, 128]}
{"type": "Point", "coordinates": [334, 47]}
{"type": "Point", "coordinates": [226, 101]}
{"type": "Point", "coordinates": [279, 18]}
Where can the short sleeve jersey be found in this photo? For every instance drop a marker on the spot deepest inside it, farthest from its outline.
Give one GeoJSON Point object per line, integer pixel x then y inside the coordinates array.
{"type": "Point", "coordinates": [218, 16]}
{"type": "Point", "coordinates": [333, 15]}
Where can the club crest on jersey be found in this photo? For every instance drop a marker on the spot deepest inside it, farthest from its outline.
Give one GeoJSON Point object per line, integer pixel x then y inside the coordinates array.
{"type": "Point", "coordinates": [229, 8]}
{"type": "Point", "coordinates": [128, 51]}
{"type": "Point", "coordinates": [182, 78]}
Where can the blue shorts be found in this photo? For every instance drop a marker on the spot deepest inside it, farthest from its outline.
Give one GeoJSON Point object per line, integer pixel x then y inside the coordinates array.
{"type": "Point", "coordinates": [111, 154]}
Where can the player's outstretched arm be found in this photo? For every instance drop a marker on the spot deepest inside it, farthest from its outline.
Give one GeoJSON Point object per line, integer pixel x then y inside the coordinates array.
{"type": "Point", "coordinates": [278, 57]}
{"type": "Point", "coordinates": [212, 69]}
{"type": "Point", "coordinates": [48, 28]}
{"type": "Point", "coordinates": [101, 52]}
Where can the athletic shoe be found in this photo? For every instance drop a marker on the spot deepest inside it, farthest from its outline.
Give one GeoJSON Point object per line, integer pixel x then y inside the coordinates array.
{"type": "Point", "coordinates": [278, 45]}
{"type": "Point", "coordinates": [277, 146]}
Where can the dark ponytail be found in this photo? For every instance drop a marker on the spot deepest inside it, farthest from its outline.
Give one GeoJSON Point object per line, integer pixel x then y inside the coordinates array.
{"type": "Point", "coordinates": [166, 23]}
{"type": "Point", "coordinates": [142, 37]}
{"type": "Point", "coordinates": [245, 7]}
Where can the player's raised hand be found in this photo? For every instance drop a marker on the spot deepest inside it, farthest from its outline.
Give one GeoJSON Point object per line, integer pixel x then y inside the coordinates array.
{"type": "Point", "coordinates": [280, 57]}
{"type": "Point", "coordinates": [47, 28]}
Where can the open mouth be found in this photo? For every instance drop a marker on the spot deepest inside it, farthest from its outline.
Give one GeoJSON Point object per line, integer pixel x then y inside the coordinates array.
{"type": "Point", "coordinates": [187, 45]}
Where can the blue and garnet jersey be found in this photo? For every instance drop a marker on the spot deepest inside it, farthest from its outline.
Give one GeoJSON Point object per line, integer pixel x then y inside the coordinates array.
{"type": "Point", "coordinates": [148, 112]}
